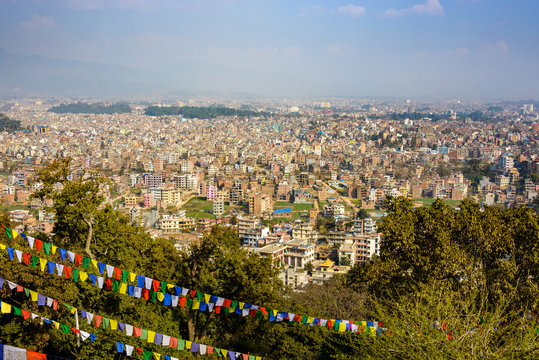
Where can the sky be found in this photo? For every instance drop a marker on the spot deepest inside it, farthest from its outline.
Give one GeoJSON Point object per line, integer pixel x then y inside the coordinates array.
{"type": "Point", "coordinates": [410, 48]}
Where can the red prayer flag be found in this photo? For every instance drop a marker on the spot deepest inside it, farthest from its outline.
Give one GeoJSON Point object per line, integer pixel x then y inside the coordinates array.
{"type": "Point", "coordinates": [297, 317]}
{"type": "Point", "coordinates": [192, 293]}
{"type": "Point", "coordinates": [26, 257]}
{"type": "Point", "coordinates": [39, 244]}
{"type": "Point", "coordinates": [210, 349]}
{"type": "Point", "coordinates": [97, 320]}
{"type": "Point", "coordinates": [156, 284]}
{"type": "Point", "coordinates": [32, 355]}
{"type": "Point", "coordinates": [67, 271]}
{"type": "Point", "coordinates": [137, 332]}
{"type": "Point", "coordinates": [78, 259]}
{"type": "Point", "coordinates": [174, 342]}
{"type": "Point", "coordinates": [76, 331]}
{"type": "Point", "coordinates": [108, 283]}
{"type": "Point", "coordinates": [19, 288]}
{"type": "Point", "coordinates": [55, 305]}
{"type": "Point", "coordinates": [182, 302]}
{"type": "Point", "coordinates": [145, 294]}
{"type": "Point", "coordinates": [226, 303]}
{"type": "Point", "coordinates": [263, 309]}
{"type": "Point", "coordinates": [139, 350]}
{"type": "Point", "coordinates": [330, 324]}
{"type": "Point", "coordinates": [217, 309]}
{"type": "Point", "coordinates": [117, 273]}
{"type": "Point", "coordinates": [25, 314]}
{"type": "Point", "coordinates": [245, 356]}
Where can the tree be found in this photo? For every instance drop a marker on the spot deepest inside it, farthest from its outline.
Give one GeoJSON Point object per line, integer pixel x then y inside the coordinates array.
{"type": "Point", "coordinates": [76, 204]}
{"type": "Point", "coordinates": [362, 214]}
{"type": "Point", "coordinates": [219, 265]}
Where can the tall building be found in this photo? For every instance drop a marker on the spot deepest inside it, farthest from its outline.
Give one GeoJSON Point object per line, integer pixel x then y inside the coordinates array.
{"type": "Point", "coordinates": [259, 204]}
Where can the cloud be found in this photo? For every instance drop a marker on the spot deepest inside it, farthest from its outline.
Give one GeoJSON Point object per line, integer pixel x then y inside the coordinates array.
{"type": "Point", "coordinates": [39, 22]}
{"type": "Point", "coordinates": [502, 45]}
{"type": "Point", "coordinates": [351, 10]}
{"type": "Point", "coordinates": [431, 7]}
{"type": "Point", "coordinates": [462, 51]}
{"type": "Point", "coordinates": [120, 4]}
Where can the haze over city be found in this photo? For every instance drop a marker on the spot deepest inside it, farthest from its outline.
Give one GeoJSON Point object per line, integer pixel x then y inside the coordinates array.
{"type": "Point", "coordinates": [431, 49]}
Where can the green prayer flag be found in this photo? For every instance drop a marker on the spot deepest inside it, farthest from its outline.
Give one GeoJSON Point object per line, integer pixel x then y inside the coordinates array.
{"type": "Point", "coordinates": [259, 314]}
{"type": "Point", "coordinates": [86, 262]}
{"type": "Point", "coordinates": [163, 287]}
{"type": "Point", "coordinates": [47, 247]}
{"type": "Point", "coordinates": [234, 304]}
{"type": "Point", "coordinates": [65, 329]}
{"type": "Point", "coordinates": [106, 323]}
{"type": "Point", "coordinates": [304, 319]}
{"type": "Point", "coordinates": [35, 261]}
{"type": "Point", "coordinates": [144, 334]}
{"type": "Point", "coordinates": [218, 351]}
{"type": "Point", "coordinates": [125, 274]}
{"type": "Point", "coordinates": [225, 310]}
{"type": "Point", "coordinates": [336, 326]}
{"type": "Point", "coordinates": [200, 296]}
{"type": "Point", "coordinates": [537, 331]}
{"type": "Point", "coordinates": [153, 295]}
{"type": "Point", "coordinates": [8, 233]}
{"type": "Point", "coordinates": [251, 357]}
{"type": "Point", "coordinates": [75, 275]}
{"type": "Point", "coordinates": [27, 292]}
{"type": "Point", "coordinates": [147, 354]}
{"type": "Point", "coordinates": [69, 307]}
{"type": "Point", "coordinates": [115, 285]}
{"type": "Point", "coordinates": [189, 302]}
{"type": "Point", "coordinates": [181, 344]}
{"type": "Point", "coordinates": [17, 311]}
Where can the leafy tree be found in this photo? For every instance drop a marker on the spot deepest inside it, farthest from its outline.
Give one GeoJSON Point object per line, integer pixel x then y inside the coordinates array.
{"type": "Point", "coordinates": [9, 125]}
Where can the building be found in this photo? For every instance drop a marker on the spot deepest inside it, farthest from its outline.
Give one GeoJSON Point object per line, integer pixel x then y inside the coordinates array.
{"type": "Point", "coordinates": [131, 201]}
{"type": "Point", "coordinates": [218, 206]}
{"type": "Point", "coordinates": [148, 200]}
{"type": "Point", "coordinates": [259, 204]}
{"type": "Point", "coordinates": [304, 232]}
{"type": "Point", "coordinates": [211, 193]}
{"type": "Point", "coordinates": [174, 223]}
{"type": "Point", "coordinates": [151, 180]}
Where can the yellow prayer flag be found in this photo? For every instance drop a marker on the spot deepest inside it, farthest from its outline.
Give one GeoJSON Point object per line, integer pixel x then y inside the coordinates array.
{"type": "Point", "coordinates": [15, 233]}
{"type": "Point", "coordinates": [83, 276]}
{"type": "Point", "coordinates": [188, 345]}
{"type": "Point", "coordinates": [241, 304]}
{"type": "Point", "coordinates": [5, 308]}
{"type": "Point", "coordinates": [151, 336]}
{"type": "Point", "coordinates": [113, 324]}
{"type": "Point", "coordinates": [72, 310]}
{"type": "Point", "coordinates": [43, 263]}
{"type": "Point", "coordinates": [207, 298]}
{"type": "Point", "coordinates": [258, 358]}
{"type": "Point", "coordinates": [123, 288]}
{"type": "Point", "coordinates": [156, 356]}
{"type": "Point", "coordinates": [342, 327]}
{"type": "Point", "coordinates": [275, 312]}
{"type": "Point", "coordinates": [160, 296]}
{"type": "Point", "coordinates": [132, 277]}
{"type": "Point", "coordinates": [57, 325]}
{"type": "Point", "coordinates": [196, 304]}
{"type": "Point", "coordinates": [54, 248]}
{"type": "Point", "coordinates": [224, 352]}
{"type": "Point", "coordinates": [2, 247]}
{"type": "Point", "coordinates": [170, 286]}
{"type": "Point", "coordinates": [33, 295]}
{"type": "Point", "coordinates": [364, 323]}
{"type": "Point", "coordinates": [310, 319]}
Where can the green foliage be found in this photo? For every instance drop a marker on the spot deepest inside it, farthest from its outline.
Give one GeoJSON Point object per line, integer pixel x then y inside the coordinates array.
{"type": "Point", "coordinates": [491, 248]}
{"type": "Point", "coordinates": [9, 125]}
{"type": "Point", "coordinates": [195, 112]}
{"type": "Point", "coordinates": [85, 108]}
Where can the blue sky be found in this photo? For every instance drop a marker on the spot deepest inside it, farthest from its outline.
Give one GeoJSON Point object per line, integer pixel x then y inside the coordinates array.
{"type": "Point", "coordinates": [413, 48]}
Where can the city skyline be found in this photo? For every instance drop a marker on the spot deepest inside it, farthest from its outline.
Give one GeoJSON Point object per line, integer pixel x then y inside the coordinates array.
{"type": "Point", "coordinates": [419, 48]}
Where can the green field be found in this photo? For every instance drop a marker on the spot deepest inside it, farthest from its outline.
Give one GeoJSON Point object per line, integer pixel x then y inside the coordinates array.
{"type": "Point", "coordinates": [294, 207]}
{"type": "Point", "coordinates": [199, 208]}
{"type": "Point", "coordinates": [429, 202]}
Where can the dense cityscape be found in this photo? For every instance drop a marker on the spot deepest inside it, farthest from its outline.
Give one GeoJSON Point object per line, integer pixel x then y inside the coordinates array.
{"type": "Point", "coordinates": [267, 180]}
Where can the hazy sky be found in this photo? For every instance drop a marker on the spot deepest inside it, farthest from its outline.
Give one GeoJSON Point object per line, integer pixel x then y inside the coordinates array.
{"type": "Point", "coordinates": [452, 48]}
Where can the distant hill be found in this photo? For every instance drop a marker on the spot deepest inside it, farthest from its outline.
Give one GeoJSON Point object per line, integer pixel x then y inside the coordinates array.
{"type": "Point", "coordinates": [9, 125]}
{"type": "Point", "coordinates": [195, 112]}
{"type": "Point", "coordinates": [85, 108]}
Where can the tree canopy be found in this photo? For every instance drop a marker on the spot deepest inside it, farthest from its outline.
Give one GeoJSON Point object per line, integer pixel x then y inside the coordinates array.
{"type": "Point", "coordinates": [198, 112]}
{"type": "Point", "coordinates": [85, 108]}
{"type": "Point", "coordinates": [9, 125]}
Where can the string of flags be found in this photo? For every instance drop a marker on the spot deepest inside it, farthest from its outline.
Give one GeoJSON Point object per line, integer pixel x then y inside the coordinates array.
{"type": "Point", "coordinates": [150, 336]}
{"type": "Point", "coordinates": [6, 308]}
{"type": "Point", "coordinates": [139, 286]}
